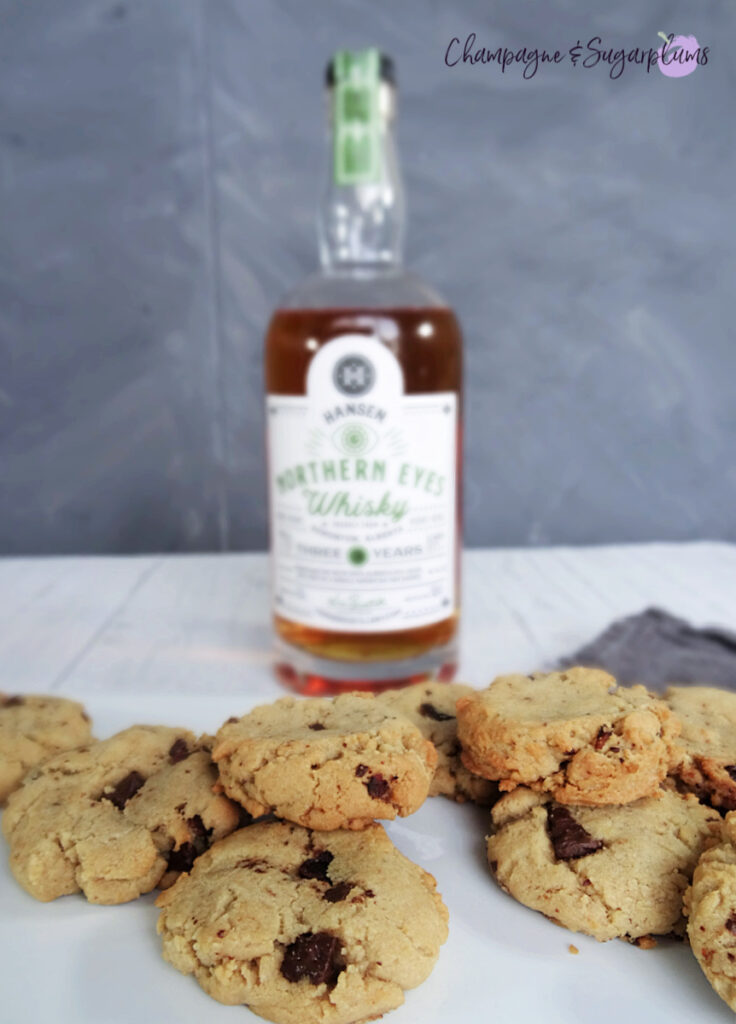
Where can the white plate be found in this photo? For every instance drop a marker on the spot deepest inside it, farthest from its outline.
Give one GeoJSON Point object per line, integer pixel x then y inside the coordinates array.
{"type": "Point", "coordinates": [72, 963]}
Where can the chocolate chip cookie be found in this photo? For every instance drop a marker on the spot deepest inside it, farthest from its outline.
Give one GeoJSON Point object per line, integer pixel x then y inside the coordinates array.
{"type": "Point", "coordinates": [325, 764]}
{"type": "Point", "coordinates": [303, 926]}
{"type": "Point", "coordinates": [710, 904]}
{"type": "Point", "coordinates": [33, 728]}
{"type": "Point", "coordinates": [431, 707]}
{"type": "Point", "coordinates": [611, 872]}
{"type": "Point", "coordinates": [705, 752]}
{"type": "Point", "coordinates": [116, 818]}
{"type": "Point", "coordinates": [573, 734]}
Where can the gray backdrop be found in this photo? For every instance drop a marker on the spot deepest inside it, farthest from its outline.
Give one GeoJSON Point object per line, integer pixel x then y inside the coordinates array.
{"type": "Point", "coordinates": [161, 161]}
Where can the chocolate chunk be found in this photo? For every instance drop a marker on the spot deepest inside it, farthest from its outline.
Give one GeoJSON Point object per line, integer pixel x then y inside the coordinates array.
{"type": "Point", "coordinates": [361, 770]}
{"type": "Point", "coordinates": [13, 702]}
{"type": "Point", "coordinates": [731, 924]}
{"type": "Point", "coordinates": [316, 867]}
{"type": "Point", "coordinates": [731, 769]}
{"type": "Point", "coordinates": [378, 787]}
{"type": "Point", "coordinates": [125, 789]}
{"type": "Point", "coordinates": [231, 720]}
{"type": "Point", "coordinates": [200, 833]}
{"type": "Point", "coordinates": [601, 738]}
{"type": "Point", "coordinates": [179, 750]}
{"type": "Point", "coordinates": [430, 711]}
{"type": "Point", "coordinates": [312, 956]}
{"type": "Point", "coordinates": [183, 858]}
{"type": "Point", "coordinates": [569, 839]}
{"type": "Point", "coordinates": [337, 892]}
{"type": "Point", "coordinates": [316, 726]}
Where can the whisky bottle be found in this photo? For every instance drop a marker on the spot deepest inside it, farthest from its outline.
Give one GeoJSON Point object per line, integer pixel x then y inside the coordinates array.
{"type": "Point", "coordinates": [363, 380]}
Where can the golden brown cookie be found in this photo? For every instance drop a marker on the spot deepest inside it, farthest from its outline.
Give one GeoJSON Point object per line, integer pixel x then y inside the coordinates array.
{"type": "Point", "coordinates": [33, 728]}
{"type": "Point", "coordinates": [705, 752]}
{"type": "Point", "coordinates": [117, 818]}
{"type": "Point", "coordinates": [574, 734]}
{"type": "Point", "coordinates": [303, 926]}
{"type": "Point", "coordinates": [431, 707]}
{"type": "Point", "coordinates": [325, 764]}
{"type": "Point", "coordinates": [611, 872]}
{"type": "Point", "coordinates": [710, 904]}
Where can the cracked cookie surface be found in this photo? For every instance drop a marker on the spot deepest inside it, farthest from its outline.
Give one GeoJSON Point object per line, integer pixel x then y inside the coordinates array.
{"type": "Point", "coordinates": [431, 707]}
{"type": "Point", "coordinates": [710, 904]}
{"type": "Point", "coordinates": [573, 734]}
{"type": "Point", "coordinates": [324, 763]}
{"type": "Point", "coordinates": [611, 872]}
{"type": "Point", "coordinates": [705, 751]}
{"type": "Point", "coordinates": [33, 728]}
{"type": "Point", "coordinates": [116, 818]}
{"type": "Point", "coordinates": [305, 926]}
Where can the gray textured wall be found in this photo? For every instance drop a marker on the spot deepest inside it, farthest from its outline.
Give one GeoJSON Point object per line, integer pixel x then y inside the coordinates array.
{"type": "Point", "coordinates": [161, 161]}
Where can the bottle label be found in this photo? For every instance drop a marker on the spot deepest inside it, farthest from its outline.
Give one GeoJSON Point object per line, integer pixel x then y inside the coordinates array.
{"type": "Point", "coordinates": [356, 127]}
{"type": "Point", "coordinates": [363, 495]}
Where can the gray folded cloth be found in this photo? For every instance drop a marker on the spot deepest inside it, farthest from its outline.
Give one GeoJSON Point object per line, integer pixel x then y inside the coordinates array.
{"type": "Point", "coordinates": [658, 649]}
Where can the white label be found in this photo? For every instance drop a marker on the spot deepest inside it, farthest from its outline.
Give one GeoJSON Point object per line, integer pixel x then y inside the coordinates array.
{"type": "Point", "coordinates": [363, 495]}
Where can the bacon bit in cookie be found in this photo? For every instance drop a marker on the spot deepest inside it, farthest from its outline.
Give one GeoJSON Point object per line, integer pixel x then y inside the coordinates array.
{"type": "Point", "coordinates": [731, 924]}
{"type": "Point", "coordinates": [645, 942]}
{"type": "Point", "coordinates": [221, 933]}
{"type": "Point", "coordinates": [312, 956]}
{"type": "Point", "coordinates": [600, 740]}
{"type": "Point", "coordinates": [231, 720]}
{"type": "Point", "coordinates": [254, 864]}
{"type": "Point", "coordinates": [316, 866]}
{"type": "Point", "coordinates": [361, 770]}
{"type": "Point", "coordinates": [13, 702]}
{"type": "Point", "coordinates": [125, 789]}
{"type": "Point", "coordinates": [317, 726]}
{"type": "Point", "coordinates": [430, 711]}
{"type": "Point", "coordinates": [179, 751]}
{"type": "Point", "coordinates": [337, 893]}
{"type": "Point", "coordinates": [573, 949]}
{"type": "Point", "coordinates": [569, 839]}
{"type": "Point", "coordinates": [378, 787]}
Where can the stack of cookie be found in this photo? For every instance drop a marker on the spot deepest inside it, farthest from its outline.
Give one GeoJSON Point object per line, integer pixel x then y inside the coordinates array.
{"type": "Point", "coordinates": [309, 913]}
{"type": "Point", "coordinates": [611, 806]}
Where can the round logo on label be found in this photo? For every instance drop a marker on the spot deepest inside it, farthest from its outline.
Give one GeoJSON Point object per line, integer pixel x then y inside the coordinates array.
{"type": "Point", "coordinates": [354, 375]}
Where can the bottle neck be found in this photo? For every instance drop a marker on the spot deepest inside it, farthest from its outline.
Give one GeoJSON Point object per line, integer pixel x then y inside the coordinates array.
{"type": "Point", "coordinates": [361, 217]}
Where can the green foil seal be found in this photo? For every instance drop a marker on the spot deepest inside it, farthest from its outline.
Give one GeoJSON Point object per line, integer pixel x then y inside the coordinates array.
{"type": "Point", "coordinates": [355, 119]}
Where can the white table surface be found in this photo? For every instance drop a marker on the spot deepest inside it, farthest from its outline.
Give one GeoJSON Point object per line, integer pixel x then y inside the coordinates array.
{"type": "Point", "coordinates": [199, 624]}
{"type": "Point", "coordinates": [186, 640]}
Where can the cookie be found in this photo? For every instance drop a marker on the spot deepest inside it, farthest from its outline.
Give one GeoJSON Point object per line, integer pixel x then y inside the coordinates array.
{"type": "Point", "coordinates": [324, 763]}
{"type": "Point", "coordinates": [611, 872]}
{"type": "Point", "coordinates": [34, 728]}
{"type": "Point", "coordinates": [573, 734]}
{"type": "Point", "coordinates": [705, 752]}
{"type": "Point", "coordinates": [431, 707]}
{"type": "Point", "coordinates": [116, 818]}
{"type": "Point", "coordinates": [710, 904]}
{"type": "Point", "coordinates": [305, 926]}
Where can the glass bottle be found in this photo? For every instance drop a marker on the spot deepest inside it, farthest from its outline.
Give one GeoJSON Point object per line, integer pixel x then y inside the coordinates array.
{"type": "Point", "coordinates": [363, 379]}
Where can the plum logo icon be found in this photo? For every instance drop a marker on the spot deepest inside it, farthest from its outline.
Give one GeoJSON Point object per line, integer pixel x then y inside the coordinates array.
{"type": "Point", "coordinates": [678, 55]}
